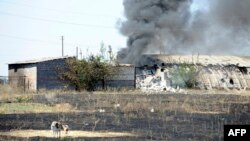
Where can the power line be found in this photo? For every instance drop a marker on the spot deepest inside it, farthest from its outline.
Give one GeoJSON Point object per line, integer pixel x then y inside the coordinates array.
{"type": "Point", "coordinates": [27, 39]}
{"type": "Point", "coordinates": [57, 10]}
{"type": "Point", "coordinates": [38, 40]}
{"type": "Point", "coordinates": [55, 21]}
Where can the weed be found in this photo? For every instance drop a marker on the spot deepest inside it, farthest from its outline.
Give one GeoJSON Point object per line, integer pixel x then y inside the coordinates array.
{"type": "Point", "coordinates": [23, 99]}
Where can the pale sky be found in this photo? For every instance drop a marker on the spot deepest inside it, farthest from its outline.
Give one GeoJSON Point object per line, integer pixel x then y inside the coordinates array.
{"type": "Point", "coordinates": [32, 29]}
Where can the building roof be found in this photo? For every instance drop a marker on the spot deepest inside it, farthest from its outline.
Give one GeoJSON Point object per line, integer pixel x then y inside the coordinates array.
{"type": "Point", "coordinates": [40, 60]}
{"type": "Point", "coordinates": [241, 61]}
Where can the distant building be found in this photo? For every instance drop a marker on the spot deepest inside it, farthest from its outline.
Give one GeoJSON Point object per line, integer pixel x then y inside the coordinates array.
{"type": "Point", "coordinates": [37, 74]}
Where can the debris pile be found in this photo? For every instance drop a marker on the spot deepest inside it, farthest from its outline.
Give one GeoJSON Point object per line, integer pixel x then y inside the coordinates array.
{"type": "Point", "coordinates": [153, 81]}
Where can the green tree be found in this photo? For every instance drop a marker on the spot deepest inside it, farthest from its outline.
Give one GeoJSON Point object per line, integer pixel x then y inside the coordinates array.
{"type": "Point", "coordinates": [87, 73]}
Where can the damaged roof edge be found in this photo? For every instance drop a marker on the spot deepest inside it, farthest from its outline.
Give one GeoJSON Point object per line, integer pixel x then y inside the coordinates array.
{"type": "Point", "coordinates": [240, 61]}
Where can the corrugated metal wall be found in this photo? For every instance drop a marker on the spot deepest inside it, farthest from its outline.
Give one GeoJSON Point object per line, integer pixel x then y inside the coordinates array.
{"type": "Point", "coordinates": [44, 75]}
{"type": "Point", "coordinates": [224, 77]}
{"type": "Point", "coordinates": [47, 75]}
{"type": "Point", "coordinates": [124, 78]}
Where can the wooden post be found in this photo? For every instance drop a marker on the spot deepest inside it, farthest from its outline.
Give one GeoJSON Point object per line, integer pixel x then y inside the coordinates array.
{"type": "Point", "coordinates": [24, 85]}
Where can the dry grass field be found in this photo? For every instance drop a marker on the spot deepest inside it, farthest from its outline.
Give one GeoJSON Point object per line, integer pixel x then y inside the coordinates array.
{"type": "Point", "coordinates": [122, 115]}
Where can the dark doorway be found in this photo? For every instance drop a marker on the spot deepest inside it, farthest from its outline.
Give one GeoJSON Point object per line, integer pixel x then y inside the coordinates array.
{"type": "Point", "coordinates": [231, 81]}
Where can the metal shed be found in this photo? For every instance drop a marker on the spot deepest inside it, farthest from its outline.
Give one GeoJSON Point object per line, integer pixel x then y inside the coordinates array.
{"type": "Point", "coordinates": [37, 74]}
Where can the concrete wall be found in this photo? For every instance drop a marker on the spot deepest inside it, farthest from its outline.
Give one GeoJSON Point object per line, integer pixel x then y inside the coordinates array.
{"type": "Point", "coordinates": [23, 75]}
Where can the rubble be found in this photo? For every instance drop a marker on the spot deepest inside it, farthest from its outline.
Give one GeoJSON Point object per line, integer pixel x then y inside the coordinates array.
{"type": "Point", "coordinates": [101, 110]}
{"type": "Point", "coordinates": [151, 81]}
{"type": "Point", "coordinates": [152, 110]}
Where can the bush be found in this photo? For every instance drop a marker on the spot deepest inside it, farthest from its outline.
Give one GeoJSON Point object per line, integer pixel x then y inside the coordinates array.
{"type": "Point", "coordinates": [185, 75]}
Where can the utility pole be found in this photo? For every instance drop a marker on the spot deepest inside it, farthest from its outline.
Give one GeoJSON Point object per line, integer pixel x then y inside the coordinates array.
{"type": "Point", "coordinates": [110, 54]}
{"type": "Point", "coordinates": [76, 53]}
{"type": "Point", "coordinates": [62, 47]}
{"type": "Point", "coordinates": [81, 53]}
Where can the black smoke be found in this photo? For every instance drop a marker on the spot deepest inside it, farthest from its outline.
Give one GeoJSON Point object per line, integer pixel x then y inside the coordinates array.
{"type": "Point", "coordinates": [170, 27]}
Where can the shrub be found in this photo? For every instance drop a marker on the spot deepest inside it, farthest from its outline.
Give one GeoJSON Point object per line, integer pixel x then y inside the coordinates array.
{"type": "Point", "coordinates": [184, 75]}
{"type": "Point", "coordinates": [23, 99]}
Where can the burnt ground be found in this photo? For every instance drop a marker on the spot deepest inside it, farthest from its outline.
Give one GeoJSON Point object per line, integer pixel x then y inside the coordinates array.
{"type": "Point", "coordinates": [176, 117]}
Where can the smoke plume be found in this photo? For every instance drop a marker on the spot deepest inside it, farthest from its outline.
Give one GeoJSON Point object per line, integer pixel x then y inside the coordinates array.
{"type": "Point", "coordinates": [172, 27]}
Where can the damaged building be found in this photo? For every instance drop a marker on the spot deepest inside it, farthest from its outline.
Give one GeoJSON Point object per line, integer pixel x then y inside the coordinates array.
{"type": "Point", "coordinates": [212, 72]}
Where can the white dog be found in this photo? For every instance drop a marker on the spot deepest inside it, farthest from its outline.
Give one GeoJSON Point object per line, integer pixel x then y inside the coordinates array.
{"type": "Point", "coordinates": [56, 128]}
